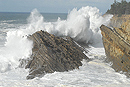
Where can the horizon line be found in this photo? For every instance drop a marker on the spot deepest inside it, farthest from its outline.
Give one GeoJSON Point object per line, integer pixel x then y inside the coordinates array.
{"type": "Point", "coordinates": [30, 12]}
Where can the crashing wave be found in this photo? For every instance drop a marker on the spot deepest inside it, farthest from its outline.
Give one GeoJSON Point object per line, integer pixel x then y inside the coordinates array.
{"type": "Point", "coordinates": [82, 25]}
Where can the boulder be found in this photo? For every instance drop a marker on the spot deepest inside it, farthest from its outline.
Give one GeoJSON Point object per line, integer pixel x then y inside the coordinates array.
{"type": "Point", "coordinates": [51, 53]}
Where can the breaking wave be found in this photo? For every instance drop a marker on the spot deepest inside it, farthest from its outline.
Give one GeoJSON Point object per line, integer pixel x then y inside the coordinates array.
{"type": "Point", "coordinates": [82, 25]}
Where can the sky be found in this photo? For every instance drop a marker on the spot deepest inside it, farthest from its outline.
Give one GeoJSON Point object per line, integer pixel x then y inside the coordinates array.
{"type": "Point", "coordinates": [52, 6]}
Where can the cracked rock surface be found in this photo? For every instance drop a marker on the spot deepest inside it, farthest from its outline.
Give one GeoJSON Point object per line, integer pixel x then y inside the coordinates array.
{"type": "Point", "coordinates": [51, 53]}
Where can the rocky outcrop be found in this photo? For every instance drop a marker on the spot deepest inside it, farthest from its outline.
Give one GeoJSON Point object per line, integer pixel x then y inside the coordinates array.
{"type": "Point", "coordinates": [51, 53]}
{"type": "Point", "coordinates": [117, 21]}
{"type": "Point", "coordinates": [117, 46]}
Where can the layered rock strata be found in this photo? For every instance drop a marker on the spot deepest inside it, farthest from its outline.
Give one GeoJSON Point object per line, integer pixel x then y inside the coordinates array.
{"type": "Point", "coordinates": [117, 46]}
{"type": "Point", "coordinates": [51, 53]}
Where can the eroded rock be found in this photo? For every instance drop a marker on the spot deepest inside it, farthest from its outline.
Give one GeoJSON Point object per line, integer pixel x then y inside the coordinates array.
{"type": "Point", "coordinates": [117, 47]}
{"type": "Point", "coordinates": [117, 21]}
{"type": "Point", "coordinates": [51, 53]}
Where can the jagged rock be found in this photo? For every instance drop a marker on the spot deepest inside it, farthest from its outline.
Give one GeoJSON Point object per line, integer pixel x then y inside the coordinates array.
{"type": "Point", "coordinates": [51, 53]}
{"type": "Point", "coordinates": [117, 46]}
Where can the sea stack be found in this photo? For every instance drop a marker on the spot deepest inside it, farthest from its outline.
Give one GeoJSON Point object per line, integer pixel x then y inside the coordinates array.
{"type": "Point", "coordinates": [51, 53]}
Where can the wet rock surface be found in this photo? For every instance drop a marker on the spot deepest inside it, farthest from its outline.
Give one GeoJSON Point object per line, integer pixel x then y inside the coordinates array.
{"type": "Point", "coordinates": [51, 53]}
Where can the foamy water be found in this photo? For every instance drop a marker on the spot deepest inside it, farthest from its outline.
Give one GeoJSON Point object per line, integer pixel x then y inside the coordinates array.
{"type": "Point", "coordinates": [82, 25]}
{"type": "Point", "coordinates": [95, 73]}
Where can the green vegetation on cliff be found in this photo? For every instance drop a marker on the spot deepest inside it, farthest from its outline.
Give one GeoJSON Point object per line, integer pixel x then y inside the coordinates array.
{"type": "Point", "coordinates": [119, 8]}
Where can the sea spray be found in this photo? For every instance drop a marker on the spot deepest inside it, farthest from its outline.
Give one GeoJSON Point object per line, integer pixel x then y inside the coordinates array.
{"type": "Point", "coordinates": [16, 47]}
{"type": "Point", "coordinates": [93, 73]}
{"type": "Point", "coordinates": [35, 22]}
{"type": "Point", "coordinates": [82, 25]}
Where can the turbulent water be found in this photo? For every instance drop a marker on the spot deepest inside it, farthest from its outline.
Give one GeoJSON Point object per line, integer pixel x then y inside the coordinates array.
{"type": "Point", "coordinates": [82, 25]}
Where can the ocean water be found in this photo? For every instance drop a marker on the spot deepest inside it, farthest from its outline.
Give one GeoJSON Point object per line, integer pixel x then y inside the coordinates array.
{"type": "Point", "coordinates": [82, 25]}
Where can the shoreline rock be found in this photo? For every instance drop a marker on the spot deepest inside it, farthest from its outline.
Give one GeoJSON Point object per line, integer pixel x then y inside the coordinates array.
{"type": "Point", "coordinates": [116, 42]}
{"type": "Point", "coordinates": [51, 53]}
{"type": "Point", "coordinates": [117, 21]}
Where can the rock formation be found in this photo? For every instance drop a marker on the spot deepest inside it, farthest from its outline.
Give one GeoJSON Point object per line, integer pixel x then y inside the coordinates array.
{"type": "Point", "coordinates": [117, 21]}
{"type": "Point", "coordinates": [117, 46]}
{"type": "Point", "coordinates": [51, 53]}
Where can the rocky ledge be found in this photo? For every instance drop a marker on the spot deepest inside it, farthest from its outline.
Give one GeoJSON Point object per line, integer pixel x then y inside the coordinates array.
{"type": "Point", "coordinates": [51, 53]}
{"type": "Point", "coordinates": [117, 46]}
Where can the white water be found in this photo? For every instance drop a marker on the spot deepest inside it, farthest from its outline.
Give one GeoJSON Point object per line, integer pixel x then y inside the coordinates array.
{"type": "Point", "coordinates": [95, 73]}
{"type": "Point", "coordinates": [82, 25]}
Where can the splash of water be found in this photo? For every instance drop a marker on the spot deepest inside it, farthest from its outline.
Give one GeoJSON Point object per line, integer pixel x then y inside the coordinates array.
{"type": "Point", "coordinates": [82, 25]}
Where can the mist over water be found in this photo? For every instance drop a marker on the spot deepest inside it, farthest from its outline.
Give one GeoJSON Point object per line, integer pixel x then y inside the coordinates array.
{"type": "Point", "coordinates": [82, 25]}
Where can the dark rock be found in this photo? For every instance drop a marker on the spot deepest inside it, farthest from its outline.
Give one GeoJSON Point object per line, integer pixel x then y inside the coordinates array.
{"type": "Point", "coordinates": [51, 53]}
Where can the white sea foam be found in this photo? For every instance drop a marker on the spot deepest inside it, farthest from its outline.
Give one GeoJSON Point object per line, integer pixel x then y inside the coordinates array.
{"type": "Point", "coordinates": [95, 73]}
{"type": "Point", "coordinates": [16, 47]}
{"type": "Point", "coordinates": [82, 25]}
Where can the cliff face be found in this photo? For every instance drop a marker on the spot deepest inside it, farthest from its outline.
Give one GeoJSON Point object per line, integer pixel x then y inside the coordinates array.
{"type": "Point", "coordinates": [117, 21]}
{"type": "Point", "coordinates": [117, 46]}
{"type": "Point", "coordinates": [51, 53]}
